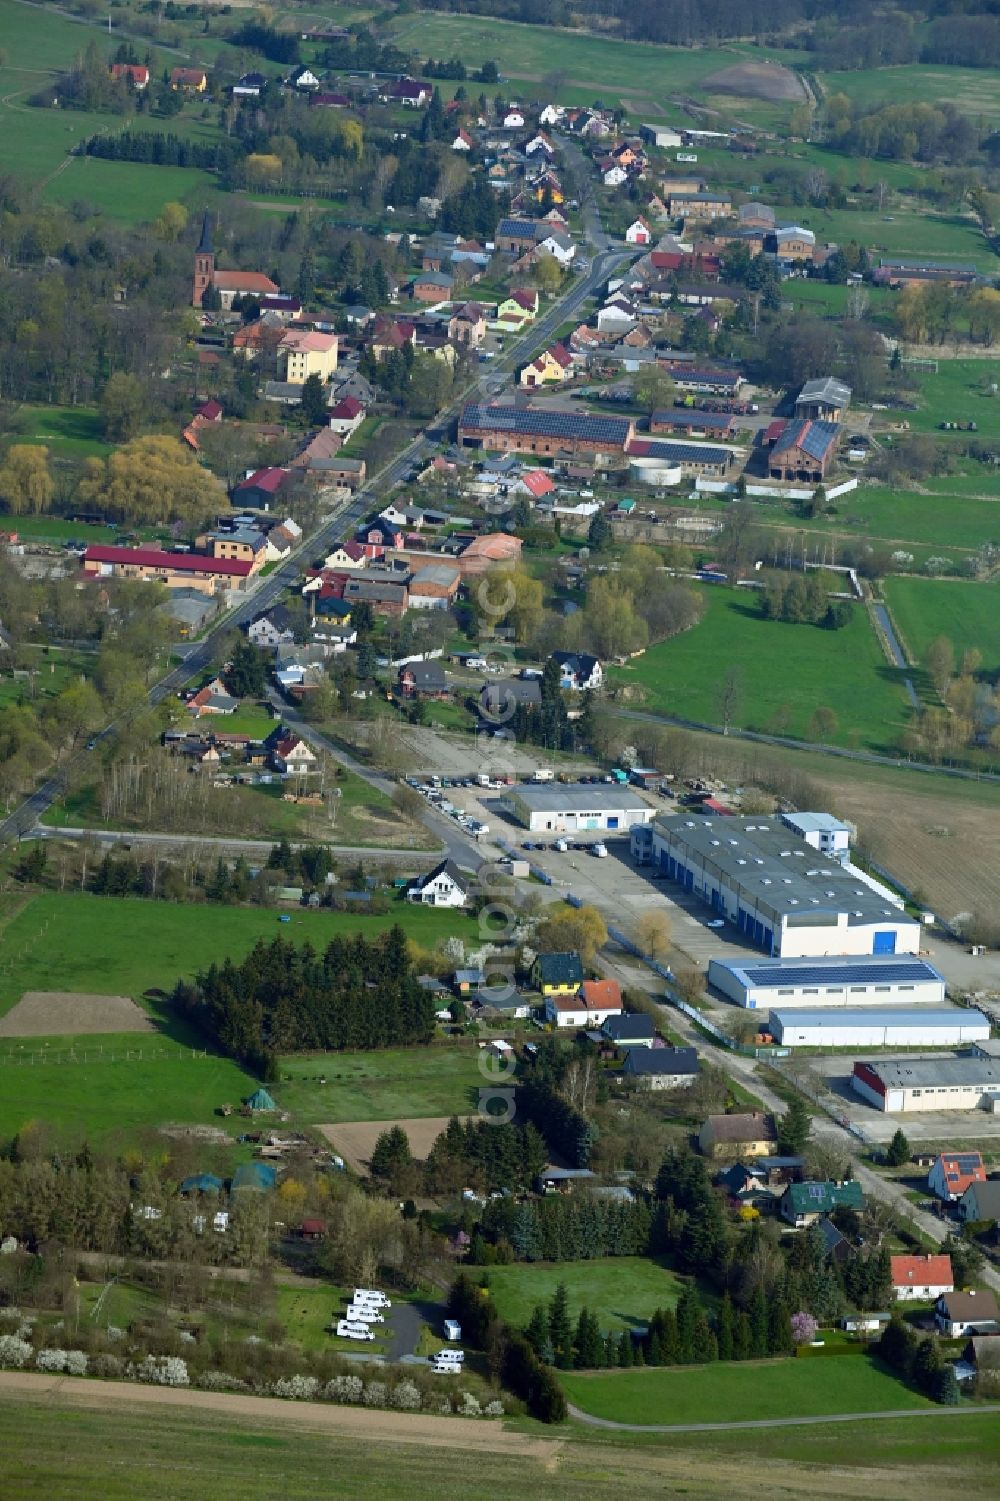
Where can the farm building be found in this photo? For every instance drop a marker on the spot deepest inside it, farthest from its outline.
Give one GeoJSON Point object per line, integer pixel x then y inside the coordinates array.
{"type": "Point", "coordinates": [777, 891]}
{"type": "Point", "coordinates": [524, 430]}
{"type": "Point", "coordinates": [803, 450]}
{"type": "Point", "coordinates": [690, 459]}
{"type": "Point", "coordinates": [825, 398]}
{"type": "Point", "coordinates": [898, 1085]}
{"type": "Point", "coordinates": [891, 1027]}
{"type": "Point", "coordinates": [873, 980]}
{"type": "Point", "coordinates": [575, 806]}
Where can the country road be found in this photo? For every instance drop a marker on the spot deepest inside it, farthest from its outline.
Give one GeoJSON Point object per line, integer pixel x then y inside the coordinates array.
{"type": "Point", "coordinates": [930, 1411]}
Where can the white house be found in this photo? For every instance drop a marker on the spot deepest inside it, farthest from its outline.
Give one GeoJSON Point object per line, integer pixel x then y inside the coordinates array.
{"type": "Point", "coordinates": [513, 120]}
{"type": "Point", "coordinates": [578, 670]}
{"type": "Point", "coordinates": [293, 756]}
{"type": "Point", "coordinates": [954, 1173]}
{"type": "Point", "coordinates": [967, 1313]}
{"type": "Point", "coordinates": [921, 1277]}
{"type": "Point", "coordinates": [551, 114]}
{"type": "Point", "coordinates": [304, 78]}
{"type": "Point", "coordinates": [444, 886]}
{"type": "Point", "coordinates": [638, 233]}
{"type": "Point", "coordinates": [614, 176]}
{"type": "Point", "coordinates": [462, 141]}
{"type": "Point", "coordinates": [538, 143]}
{"type": "Point", "coordinates": [272, 629]}
{"type": "Point", "coordinates": [593, 1003]}
{"type": "Point", "coordinates": [560, 247]}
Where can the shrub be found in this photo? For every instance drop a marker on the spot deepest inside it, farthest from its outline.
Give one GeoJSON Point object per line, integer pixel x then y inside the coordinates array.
{"type": "Point", "coordinates": [344, 1389]}
{"type": "Point", "coordinates": [14, 1351]}
{"type": "Point", "coordinates": [297, 1388]}
{"type": "Point", "coordinates": [470, 1406]}
{"type": "Point", "coordinates": [51, 1360]}
{"type": "Point", "coordinates": [107, 1367]}
{"type": "Point", "coordinates": [804, 1328]}
{"type": "Point", "coordinates": [76, 1363]}
{"type": "Point", "coordinates": [406, 1396]}
{"type": "Point", "coordinates": [161, 1370]}
{"type": "Point", "coordinates": [221, 1381]}
{"type": "Point", "coordinates": [493, 1410]}
{"type": "Point", "coordinates": [376, 1394]}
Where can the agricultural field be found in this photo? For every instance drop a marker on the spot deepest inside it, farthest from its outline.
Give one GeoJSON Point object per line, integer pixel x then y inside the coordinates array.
{"type": "Point", "coordinates": [79, 1440]}
{"type": "Point", "coordinates": [40, 40]}
{"type": "Point", "coordinates": [758, 1389]}
{"type": "Point", "coordinates": [623, 1291]}
{"type": "Point", "coordinates": [125, 946]}
{"type": "Point", "coordinates": [967, 613]}
{"type": "Point", "coordinates": [897, 231]}
{"type": "Point", "coordinates": [973, 91]}
{"type": "Point", "coordinates": [131, 191]}
{"type": "Point", "coordinates": [785, 673]}
{"type": "Point", "coordinates": [396, 1084]}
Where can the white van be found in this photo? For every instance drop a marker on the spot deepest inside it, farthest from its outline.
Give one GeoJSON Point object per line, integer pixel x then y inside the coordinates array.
{"type": "Point", "coordinates": [601, 851]}
{"type": "Point", "coordinates": [543, 774]}
{"type": "Point", "coordinates": [348, 1330]}
{"type": "Point", "coordinates": [452, 1329]}
{"type": "Point", "coordinates": [365, 1313]}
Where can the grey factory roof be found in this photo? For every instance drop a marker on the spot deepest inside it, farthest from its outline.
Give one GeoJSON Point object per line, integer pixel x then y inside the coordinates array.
{"type": "Point", "coordinates": [776, 869]}
{"type": "Point", "coordinates": [944, 1017]}
{"type": "Point", "coordinates": [814, 437]}
{"type": "Point", "coordinates": [568, 797]}
{"type": "Point", "coordinates": [920, 1073]}
{"type": "Point", "coordinates": [826, 388]}
{"type": "Point", "coordinates": [814, 823]}
{"type": "Point", "coordinates": [443, 574]}
{"type": "Point", "coordinates": [571, 425]}
{"type": "Point", "coordinates": [922, 263]}
{"type": "Point", "coordinates": [867, 969]}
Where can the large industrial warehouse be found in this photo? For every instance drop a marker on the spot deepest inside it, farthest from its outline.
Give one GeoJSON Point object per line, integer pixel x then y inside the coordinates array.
{"type": "Point", "coordinates": [566, 808]}
{"type": "Point", "coordinates": [778, 891]}
{"type": "Point", "coordinates": [874, 980]}
{"type": "Point", "coordinates": [894, 1027]}
{"type": "Point", "coordinates": [896, 1085]}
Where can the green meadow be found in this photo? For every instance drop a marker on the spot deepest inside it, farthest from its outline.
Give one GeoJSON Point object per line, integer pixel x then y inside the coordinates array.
{"type": "Point", "coordinates": [967, 613]}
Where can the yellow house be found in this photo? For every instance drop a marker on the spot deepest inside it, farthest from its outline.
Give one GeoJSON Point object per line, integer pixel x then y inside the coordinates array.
{"type": "Point", "coordinates": [557, 974]}
{"type": "Point", "coordinates": [302, 353]}
{"type": "Point", "coordinates": [519, 307]}
{"type": "Point", "coordinates": [751, 1134]}
{"type": "Point", "coordinates": [553, 364]}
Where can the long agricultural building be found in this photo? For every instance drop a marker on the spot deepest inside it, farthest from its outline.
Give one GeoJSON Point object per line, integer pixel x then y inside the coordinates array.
{"type": "Point", "coordinates": [874, 980]}
{"type": "Point", "coordinates": [566, 809]}
{"type": "Point", "coordinates": [508, 429]}
{"type": "Point", "coordinates": [893, 1027]}
{"type": "Point", "coordinates": [898, 1085]}
{"type": "Point", "coordinates": [187, 570]}
{"type": "Point", "coordinates": [778, 891]}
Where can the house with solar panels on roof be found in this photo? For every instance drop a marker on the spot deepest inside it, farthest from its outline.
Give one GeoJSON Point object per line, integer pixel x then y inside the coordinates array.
{"type": "Point", "coordinates": [509, 429]}
{"type": "Point", "coordinates": [778, 892]}
{"type": "Point", "coordinates": [804, 450]}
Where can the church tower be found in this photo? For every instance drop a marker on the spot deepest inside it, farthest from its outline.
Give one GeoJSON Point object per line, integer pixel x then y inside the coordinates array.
{"type": "Point", "coordinates": [204, 264]}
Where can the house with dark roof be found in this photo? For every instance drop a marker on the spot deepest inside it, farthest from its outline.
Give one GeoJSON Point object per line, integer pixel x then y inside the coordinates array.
{"type": "Point", "coordinates": [423, 680]}
{"type": "Point", "coordinates": [804, 1204]}
{"type": "Point", "coordinates": [804, 450]}
{"type": "Point", "coordinates": [444, 886]}
{"type": "Point", "coordinates": [558, 974]}
{"type": "Point", "coordinates": [629, 1029]}
{"type": "Point", "coordinates": [578, 670]}
{"type": "Point", "coordinates": [272, 628]}
{"type": "Point", "coordinates": [746, 1134]}
{"type": "Point", "coordinates": [973, 1312]}
{"type": "Point", "coordinates": [980, 1203]}
{"type": "Point", "coordinates": [660, 1068]}
{"type": "Point", "coordinates": [498, 702]}
{"type": "Point", "coordinates": [825, 398]}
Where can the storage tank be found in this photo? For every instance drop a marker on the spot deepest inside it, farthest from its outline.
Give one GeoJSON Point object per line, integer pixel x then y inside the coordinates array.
{"type": "Point", "coordinates": [654, 472]}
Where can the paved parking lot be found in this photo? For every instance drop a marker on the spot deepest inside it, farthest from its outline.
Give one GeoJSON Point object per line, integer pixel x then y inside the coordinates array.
{"type": "Point", "coordinates": [833, 1072]}
{"type": "Point", "coordinates": [467, 755]}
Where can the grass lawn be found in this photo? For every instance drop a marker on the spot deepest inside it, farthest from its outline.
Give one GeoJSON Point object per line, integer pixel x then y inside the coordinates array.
{"type": "Point", "coordinates": [785, 670]}
{"type": "Point", "coordinates": [130, 191]}
{"type": "Point", "coordinates": [42, 40]}
{"type": "Point", "coordinates": [63, 940]}
{"type": "Point", "coordinates": [69, 432]}
{"type": "Point", "coordinates": [622, 1290]}
{"type": "Point", "coordinates": [740, 1390]}
{"type": "Point", "coordinates": [967, 613]}
{"type": "Point", "coordinates": [249, 719]}
{"type": "Point", "coordinates": [393, 1085]}
{"type": "Point", "coordinates": [902, 231]}
{"type": "Point", "coordinates": [53, 668]}
{"type": "Point", "coordinates": [960, 392]}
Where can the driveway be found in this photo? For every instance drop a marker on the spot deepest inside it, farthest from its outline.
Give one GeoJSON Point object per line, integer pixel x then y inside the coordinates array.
{"type": "Point", "coordinates": [405, 1323]}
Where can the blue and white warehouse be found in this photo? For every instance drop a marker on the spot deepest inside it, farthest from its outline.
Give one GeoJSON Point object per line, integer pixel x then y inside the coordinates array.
{"type": "Point", "coordinates": [872, 1027]}
{"type": "Point", "coordinates": [759, 984]}
{"type": "Point", "coordinates": [778, 891]}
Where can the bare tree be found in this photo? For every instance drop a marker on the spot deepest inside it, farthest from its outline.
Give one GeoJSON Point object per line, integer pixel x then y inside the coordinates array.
{"type": "Point", "coordinates": [730, 697]}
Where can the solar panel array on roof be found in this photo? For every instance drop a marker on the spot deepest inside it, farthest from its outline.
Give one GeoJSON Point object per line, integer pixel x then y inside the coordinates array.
{"type": "Point", "coordinates": [814, 437]}
{"type": "Point", "coordinates": [571, 425]}
{"type": "Point", "coordinates": [681, 453]}
{"type": "Point", "coordinates": [845, 974]}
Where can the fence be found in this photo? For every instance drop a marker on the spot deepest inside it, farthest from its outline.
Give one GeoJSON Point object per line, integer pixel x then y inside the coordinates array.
{"type": "Point", "coordinates": [516, 854]}
{"type": "Point", "coordinates": [25, 1059]}
{"type": "Point", "coordinates": [772, 492]}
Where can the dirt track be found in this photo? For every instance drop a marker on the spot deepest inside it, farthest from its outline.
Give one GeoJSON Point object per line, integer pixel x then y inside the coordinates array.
{"type": "Point", "coordinates": [356, 1422]}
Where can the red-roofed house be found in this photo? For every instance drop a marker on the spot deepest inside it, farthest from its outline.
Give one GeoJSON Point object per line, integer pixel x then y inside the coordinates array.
{"type": "Point", "coordinates": [136, 75]}
{"type": "Point", "coordinates": [210, 411]}
{"type": "Point", "coordinates": [174, 569]}
{"type": "Point", "coordinates": [189, 80]}
{"type": "Point", "coordinates": [324, 100]}
{"type": "Point", "coordinates": [391, 334]}
{"type": "Point", "coordinates": [347, 416]}
{"type": "Point", "coordinates": [462, 142]}
{"type": "Point", "coordinates": [593, 1003]}
{"type": "Point", "coordinates": [537, 483]}
{"type": "Point", "coordinates": [260, 488]}
{"type": "Point", "coordinates": [954, 1172]}
{"type": "Point", "coordinates": [291, 755]}
{"type": "Point", "coordinates": [552, 365]}
{"type": "Point", "coordinates": [924, 1277]}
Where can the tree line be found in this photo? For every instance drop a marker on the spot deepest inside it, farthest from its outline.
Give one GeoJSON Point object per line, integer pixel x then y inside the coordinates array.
{"type": "Point", "coordinates": [557, 1227]}
{"type": "Point", "coordinates": [359, 993]}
